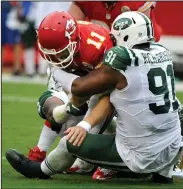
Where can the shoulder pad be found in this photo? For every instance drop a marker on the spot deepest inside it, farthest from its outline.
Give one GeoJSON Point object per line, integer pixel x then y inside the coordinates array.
{"type": "Point", "coordinates": [118, 58]}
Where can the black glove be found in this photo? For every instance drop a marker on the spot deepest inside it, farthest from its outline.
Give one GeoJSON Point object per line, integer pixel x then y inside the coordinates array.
{"type": "Point", "coordinates": [79, 111]}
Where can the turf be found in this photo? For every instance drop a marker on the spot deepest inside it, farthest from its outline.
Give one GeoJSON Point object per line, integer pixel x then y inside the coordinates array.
{"type": "Point", "coordinates": [21, 127]}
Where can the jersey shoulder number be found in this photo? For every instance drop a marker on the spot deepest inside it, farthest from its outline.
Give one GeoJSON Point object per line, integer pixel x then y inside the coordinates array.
{"type": "Point", "coordinates": [120, 57]}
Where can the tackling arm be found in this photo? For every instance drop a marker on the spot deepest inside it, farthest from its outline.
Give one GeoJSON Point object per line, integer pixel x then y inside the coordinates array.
{"type": "Point", "coordinates": [100, 112]}
{"type": "Point", "coordinates": [97, 81]}
{"type": "Point", "coordinates": [77, 134]}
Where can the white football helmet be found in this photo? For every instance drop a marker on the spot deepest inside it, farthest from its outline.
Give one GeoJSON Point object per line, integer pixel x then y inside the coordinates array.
{"type": "Point", "coordinates": [132, 28]}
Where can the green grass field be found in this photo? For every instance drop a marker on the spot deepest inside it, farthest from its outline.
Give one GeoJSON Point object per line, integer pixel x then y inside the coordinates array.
{"type": "Point", "coordinates": [21, 127]}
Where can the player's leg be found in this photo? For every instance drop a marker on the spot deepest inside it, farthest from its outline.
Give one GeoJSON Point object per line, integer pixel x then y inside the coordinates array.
{"type": "Point", "coordinates": [107, 127]}
{"type": "Point", "coordinates": [48, 102]}
{"type": "Point", "coordinates": [48, 135]}
{"type": "Point", "coordinates": [96, 149]}
{"type": "Point", "coordinates": [63, 156]}
{"type": "Point", "coordinates": [46, 139]}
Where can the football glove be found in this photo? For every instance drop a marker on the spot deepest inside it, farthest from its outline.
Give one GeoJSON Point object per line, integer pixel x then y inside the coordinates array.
{"type": "Point", "coordinates": [76, 111]}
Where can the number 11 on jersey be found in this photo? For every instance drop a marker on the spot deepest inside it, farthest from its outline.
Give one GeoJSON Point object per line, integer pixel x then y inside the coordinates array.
{"type": "Point", "coordinates": [94, 42]}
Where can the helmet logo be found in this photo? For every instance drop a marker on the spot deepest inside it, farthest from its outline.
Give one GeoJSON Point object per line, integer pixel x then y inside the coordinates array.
{"type": "Point", "coordinates": [70, 27]}
{"type": "Point", "coordinates": [122, 24]}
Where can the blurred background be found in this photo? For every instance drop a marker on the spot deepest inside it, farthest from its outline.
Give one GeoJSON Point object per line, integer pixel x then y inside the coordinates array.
{"type": "Point", "coordinates": [21, 19]}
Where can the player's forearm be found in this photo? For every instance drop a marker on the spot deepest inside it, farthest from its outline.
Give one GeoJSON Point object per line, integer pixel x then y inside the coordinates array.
{"type": "Point", "coordinates": [78, 86]}
{"type": "Point", "coordinates": [100, 112]}
{"type": "Point", "coordinates": [78, 101]}
{"type": "Point", "coordinates": [97, 81]}
{"type": "Point", "coordinates": [64, 79]}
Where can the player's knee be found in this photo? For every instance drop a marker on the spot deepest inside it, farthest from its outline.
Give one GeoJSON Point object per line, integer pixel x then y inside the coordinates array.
{"type": "Point", "coordinates": [63, 144]}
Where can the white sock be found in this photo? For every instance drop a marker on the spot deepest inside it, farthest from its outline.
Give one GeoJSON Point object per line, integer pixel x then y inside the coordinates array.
{"type": "Point", "coordinates": [29, 55]}
{"type": "Point", "coordinates": [58, 160]}
{"type": "Point", "coordinates": [46, 138]}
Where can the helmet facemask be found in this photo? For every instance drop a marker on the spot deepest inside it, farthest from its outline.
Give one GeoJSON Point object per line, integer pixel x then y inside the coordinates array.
{"type": "Point", "coordinates": [64, 57]}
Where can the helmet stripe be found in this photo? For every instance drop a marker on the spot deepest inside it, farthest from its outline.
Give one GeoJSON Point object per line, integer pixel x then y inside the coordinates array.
{"type": "Point", "coordinates": [148, 25]}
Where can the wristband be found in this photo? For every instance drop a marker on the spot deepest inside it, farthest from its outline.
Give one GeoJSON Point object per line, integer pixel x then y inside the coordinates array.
{"type": "Point", "coordinates": [85, 125]}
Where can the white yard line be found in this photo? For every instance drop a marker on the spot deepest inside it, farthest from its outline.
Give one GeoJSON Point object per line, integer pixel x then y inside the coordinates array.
{"type": "Point", "coordinates": [7, 78]}
{"type": "Point", "coordinates": [22, 99]}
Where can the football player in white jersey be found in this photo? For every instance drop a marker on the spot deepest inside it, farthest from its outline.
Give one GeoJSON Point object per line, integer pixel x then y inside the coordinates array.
{"type": "Point", "coordinates": [139, 74]}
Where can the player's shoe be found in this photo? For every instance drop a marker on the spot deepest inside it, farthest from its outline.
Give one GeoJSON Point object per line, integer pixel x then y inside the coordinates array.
{"type": "Point", "coordinates": [103, 174]}
{"type": "Point", "coordinates": [178, 168]}
{"type": "Point", "coordinates": [25, 166]}
{"type": "Point", "coordinates": [177, 172]}
{"type": "Point", "coordinates": [157, 178]}
{"type": "Point", "coordinates": [36, 154]}
{"type": "Point", "coordinates": [80, 166]}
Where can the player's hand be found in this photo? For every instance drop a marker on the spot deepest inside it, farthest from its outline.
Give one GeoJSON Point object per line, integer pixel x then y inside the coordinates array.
{"type": "Point", "coordinates": [75, 135]}
{"type": "Point", "coordinates": [125, 9]}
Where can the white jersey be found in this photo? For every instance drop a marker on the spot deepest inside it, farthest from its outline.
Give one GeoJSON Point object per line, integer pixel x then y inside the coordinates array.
{"type": "Point", "coordinates": [148, 133]}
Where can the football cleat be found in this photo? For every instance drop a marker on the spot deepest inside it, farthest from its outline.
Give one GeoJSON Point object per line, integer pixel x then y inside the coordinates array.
{"type": "Point", "coordinates": [157, 178]}
{"type": "Point", "coordinates": [177, 171]}
{"type": "Point", "coordinates": [36, 154]}
{"type": "Point", "coordinates": [103, 174]}
{"type": "Point", "coordinates": [178, 167]}
{"type": "Point", "coordinates": [25, 166]}
{"type": "Point", "coordinates": [80, 166]}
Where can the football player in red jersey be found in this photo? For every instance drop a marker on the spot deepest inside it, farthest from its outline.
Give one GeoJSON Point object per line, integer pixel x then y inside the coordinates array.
{"type": "Point", "coordinates": [68, 45]}
{"type": "Point", "coordinates": [104, 12]}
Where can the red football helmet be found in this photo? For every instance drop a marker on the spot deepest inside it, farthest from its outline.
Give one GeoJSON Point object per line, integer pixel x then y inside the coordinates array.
{"type": "Point", "coordinates": [58, 38]}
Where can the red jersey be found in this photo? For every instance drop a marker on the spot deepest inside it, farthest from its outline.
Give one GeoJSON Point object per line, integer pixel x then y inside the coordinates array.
{"type": "Point", "coordinates": [102, 14]}
{"type": "Point", "coordinates": [95, 40]}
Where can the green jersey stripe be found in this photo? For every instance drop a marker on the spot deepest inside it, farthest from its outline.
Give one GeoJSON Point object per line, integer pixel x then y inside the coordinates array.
{"type": "Point", "coordinates": [130, 58]}
{"type": "Point", "coordinates": [136, 59]}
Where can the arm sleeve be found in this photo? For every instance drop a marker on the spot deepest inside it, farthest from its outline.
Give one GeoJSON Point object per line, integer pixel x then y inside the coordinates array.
{"type": "Point", "coordinates": [117, 58]}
